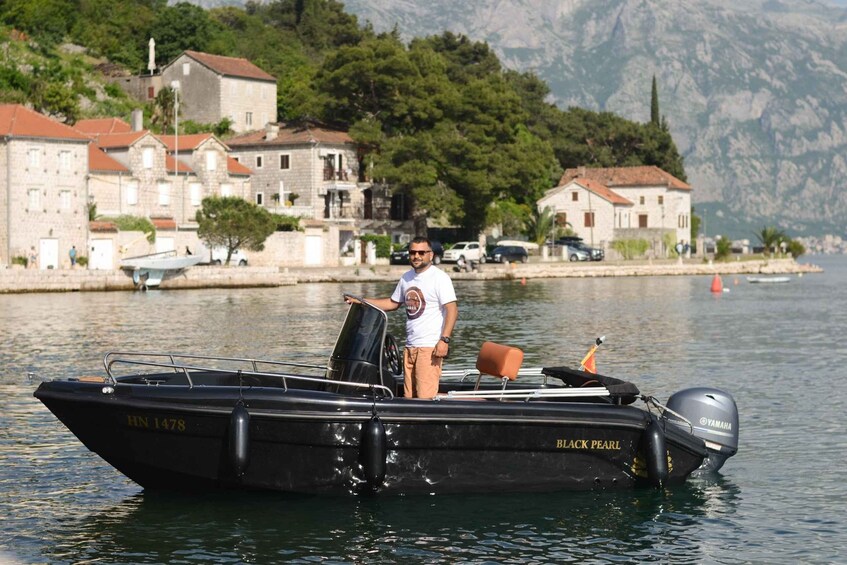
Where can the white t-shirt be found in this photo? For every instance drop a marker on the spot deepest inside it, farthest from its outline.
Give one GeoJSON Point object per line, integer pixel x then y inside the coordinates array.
{"type": "Point", "coordinates": [424, 295]}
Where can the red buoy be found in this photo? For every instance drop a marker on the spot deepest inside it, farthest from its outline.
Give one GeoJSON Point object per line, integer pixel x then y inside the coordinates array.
{"type": "Point", "coordinates": [717, 284]}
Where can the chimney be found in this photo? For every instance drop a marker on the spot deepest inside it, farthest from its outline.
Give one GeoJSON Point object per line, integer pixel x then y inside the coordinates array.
{"type": "Point", "coordinates": [582, 171]}
{"type": "Point", "coordinates": [271, 130]}
{"type": "Point", "coordinates": [137, 120]}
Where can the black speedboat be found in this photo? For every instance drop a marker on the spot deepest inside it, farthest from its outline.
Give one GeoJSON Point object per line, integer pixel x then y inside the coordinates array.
{"type": "Point", "coordinates": [186, 422]}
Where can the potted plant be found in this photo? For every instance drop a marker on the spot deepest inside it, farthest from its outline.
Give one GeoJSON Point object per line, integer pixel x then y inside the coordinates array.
{"type": "Point", "coordinates": [293, 197]}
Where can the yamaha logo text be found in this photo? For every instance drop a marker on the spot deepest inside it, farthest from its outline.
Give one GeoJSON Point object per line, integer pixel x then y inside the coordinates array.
{"type": "Point", "coordinates": [715, 424]}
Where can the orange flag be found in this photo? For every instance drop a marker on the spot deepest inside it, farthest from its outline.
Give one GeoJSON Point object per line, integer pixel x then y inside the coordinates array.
{"type": "Point", "coordinates": [588, 362]}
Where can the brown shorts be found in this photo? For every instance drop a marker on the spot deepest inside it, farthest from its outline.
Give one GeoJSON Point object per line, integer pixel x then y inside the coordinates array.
{"type": "Point", "coordinates": [422, 371]}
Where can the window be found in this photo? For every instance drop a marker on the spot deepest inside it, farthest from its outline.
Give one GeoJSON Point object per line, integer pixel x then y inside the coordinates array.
{"type": "Point", "coordinates": [33, 199]}
{"type": "Point", "coordinates": [151, 93]}
{"type": "Point", "coordinates": [211, 160]}
{"type": "Point", "coordinates": [164, 194]}
{"type": "Point", "coordinates": [661, 200]}
{"type": "Point", "coordinates": [64, 160]}
{"type": "Point", "coordinates": [33, 157]}
{"type": "Point", "coordinates": [258, 161]}
{"type": "Point", "coordinates": [641, 200]}
{"type": "Point", "coordinates": [186, 69]}
{"type": "Point", "coordinates": [562, 219]}
{"type": "Point", "coordinates": [682, 221]}
{"type": "Point", "coordinates": [132, 193]}
{"type": "Point", "coordinates": [226, 189]}
{"type": "Point", "coordinates": [642, 220]}
{"type": "Point", "coordinates": [285, 161]}
{"type": "Point", "coordinates": [248, 118]}
{"type": "Point", "coordinates": [233, 89]}
{"type": "Point", "coordinates": [147, 157]}
{"type": "Point", "coordinates": [249, 90]}
{"type": "Point", "coordinates": [574, 196]}
{"type": "Point", "coordinates": [195, 190]}
{"type": "Point", "coordinates": [65, 199]}
{"type": "Point", "coordinates": [260, 198]}
{"type": "Point", "coordinates": [589, 219]}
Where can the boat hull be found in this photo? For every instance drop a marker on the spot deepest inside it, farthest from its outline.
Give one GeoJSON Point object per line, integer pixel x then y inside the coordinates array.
{"type": "Point", "coordinates": [309, 441]}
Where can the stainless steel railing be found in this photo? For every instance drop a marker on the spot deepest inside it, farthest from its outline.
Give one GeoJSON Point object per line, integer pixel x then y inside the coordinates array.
{"type": "Point", "coordinates": [173, 361]}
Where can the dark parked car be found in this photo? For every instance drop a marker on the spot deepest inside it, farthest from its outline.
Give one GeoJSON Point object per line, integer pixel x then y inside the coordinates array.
{"type": "Point", "coordinates": [401, 256]}
{"type": "Point", "coordinates": [507, 253]}
{"type": "Point", "coordinates": [594, 253]}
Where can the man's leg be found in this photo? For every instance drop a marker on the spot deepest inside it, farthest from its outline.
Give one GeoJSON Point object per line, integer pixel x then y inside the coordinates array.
{"type": "Point", "coordinates": [409, 356]}
{"type": "Point", "coordinates": [427, 373]}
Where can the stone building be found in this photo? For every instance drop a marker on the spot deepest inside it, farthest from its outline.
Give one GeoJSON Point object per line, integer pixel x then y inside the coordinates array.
{"type": "Point", "coordinates": [213, 87]}
{"type": "Point", "coordinates": [43, 198]}
{"type": "Point", "coordinates": [605, 204]}
{"type": "Point", "coordinates": [207, 170]}
{"type": "Point", "coordinates": [312, 172]}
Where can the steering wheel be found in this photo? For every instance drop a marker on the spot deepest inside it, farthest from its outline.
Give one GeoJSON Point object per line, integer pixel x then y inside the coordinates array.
{"type": "Point", "coordinates": [391, 355]}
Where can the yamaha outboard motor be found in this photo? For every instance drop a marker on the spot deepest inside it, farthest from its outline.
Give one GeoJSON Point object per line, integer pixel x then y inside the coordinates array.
{"type": "Point", "coordinates": [713, 416]}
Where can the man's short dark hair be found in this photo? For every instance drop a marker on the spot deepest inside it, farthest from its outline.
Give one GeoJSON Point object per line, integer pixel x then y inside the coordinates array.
{"type": "Point", "coordinates": [421, 239]}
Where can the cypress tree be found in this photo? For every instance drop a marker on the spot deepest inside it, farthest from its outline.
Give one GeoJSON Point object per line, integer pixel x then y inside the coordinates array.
{"type": "Point", "coordinates": [654, 104]}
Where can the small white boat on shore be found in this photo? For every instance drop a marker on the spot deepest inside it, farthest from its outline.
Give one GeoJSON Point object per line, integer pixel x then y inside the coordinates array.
{"type": "Point", "coordinates": [149, 270]}
{"type": "Point", "coordinates": [768, 279]}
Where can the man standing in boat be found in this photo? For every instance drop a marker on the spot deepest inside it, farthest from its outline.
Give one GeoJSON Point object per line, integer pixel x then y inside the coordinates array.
{"type": "Point", "coordinates": [431, 313]}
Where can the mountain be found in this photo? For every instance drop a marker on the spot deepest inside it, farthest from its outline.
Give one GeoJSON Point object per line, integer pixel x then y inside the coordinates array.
{"type": "Point", "coordinates": [755, 92]}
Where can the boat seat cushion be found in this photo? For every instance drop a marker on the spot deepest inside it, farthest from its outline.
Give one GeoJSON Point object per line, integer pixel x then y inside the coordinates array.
{"type": "Point", "coordinates": [499, 360]}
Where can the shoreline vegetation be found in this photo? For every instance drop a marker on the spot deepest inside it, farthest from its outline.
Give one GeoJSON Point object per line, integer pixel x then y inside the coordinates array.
{"type": "Point", "coordinates": [19, 280]}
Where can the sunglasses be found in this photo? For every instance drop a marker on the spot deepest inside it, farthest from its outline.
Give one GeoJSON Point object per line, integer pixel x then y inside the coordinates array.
{"type": "Point", "coordinates": [416, 252]}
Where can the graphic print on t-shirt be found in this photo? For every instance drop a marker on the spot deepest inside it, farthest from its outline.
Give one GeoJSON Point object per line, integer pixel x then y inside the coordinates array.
{"type": "Point", "coordinates": [415, 303]}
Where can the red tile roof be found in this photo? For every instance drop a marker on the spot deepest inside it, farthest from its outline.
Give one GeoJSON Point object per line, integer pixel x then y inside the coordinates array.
{"type": "Point", "coordinates": [101, 226]}
{"type": "Point", "coordinates": [100, 162]}
{"type": "Point", "coordinates": [103, 125]}
{"type": "Point", "coordinates": [171, 164]}
{"type": "Point", "coordinates": [236, 168]}
{"type": "Point", "coordinates": [116, 140]}
{"type": "Point", "coordinates": [163, 223]}
{"type": "Point", "coordinates": [292, 135]}
{"type": "Point", "coordinates": [230, 66]}
{"type": "Point", "coordinates": [190, 141]}
{"type": "Point", "coordinates": [602, 191]}
{"type": "Point", "coordinates": [18, 121]}
{"type": "Point", "coordinates": [626, 176]}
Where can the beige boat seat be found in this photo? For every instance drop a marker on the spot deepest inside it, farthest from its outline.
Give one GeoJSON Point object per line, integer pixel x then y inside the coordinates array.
{"type": "Point", "coordinates": [497, 360]}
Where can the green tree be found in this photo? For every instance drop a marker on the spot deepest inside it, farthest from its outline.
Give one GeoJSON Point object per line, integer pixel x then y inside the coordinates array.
{"type": "Point", "coordinates": [723, 248]}
{"type": "Point", "coordinates": [233, 223]}
{"type": "Point", "coordinates": [540, 224]}
{"type": "Point", "coordinates": [655, 117]}
{"type": "Point", "coordinates": [181, 27]}
{"type": "Point", "coordinates": [47, 20]}
{"type": "Point", "coordinates": [162, 110]}
{"type": "Point", "coordinates": [771, 237]}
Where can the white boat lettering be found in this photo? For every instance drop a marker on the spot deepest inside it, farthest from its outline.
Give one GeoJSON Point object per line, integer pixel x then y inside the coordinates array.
{"type": "Point", "coordinates": [715, 424]}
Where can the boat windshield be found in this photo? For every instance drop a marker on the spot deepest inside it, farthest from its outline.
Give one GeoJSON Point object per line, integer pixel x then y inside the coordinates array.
{"type": "Point", "coordinates": [358, 352]}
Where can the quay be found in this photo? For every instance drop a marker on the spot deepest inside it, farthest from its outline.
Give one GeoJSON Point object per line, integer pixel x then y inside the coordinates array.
{"type": "Point", "coordinates": [20, 280]}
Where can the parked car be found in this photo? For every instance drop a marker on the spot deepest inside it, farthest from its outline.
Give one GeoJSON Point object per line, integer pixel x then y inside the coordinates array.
{"type": "Point", "coordinates": [401, 256]}
{"type": "Point", "coordinates": [576, 254]}
{"type": "Point", "coordinates": [217, 256]}
{"type": "Point", "coordinates": [594, 253]}
{"type": "Point", "coordinates": [463, 251]}
{"type": "Point", "coordinates": [507, 254]}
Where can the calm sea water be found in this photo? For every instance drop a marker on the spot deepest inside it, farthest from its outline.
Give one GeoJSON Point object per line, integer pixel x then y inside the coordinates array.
{"type": "Point", "coordinates": [777, 348]}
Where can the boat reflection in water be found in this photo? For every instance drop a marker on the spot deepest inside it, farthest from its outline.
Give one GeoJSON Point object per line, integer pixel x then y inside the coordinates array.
{"type": "Point", "coordinates": [182, 422]}
{"type": "Point", "coordinates": [267, 528]}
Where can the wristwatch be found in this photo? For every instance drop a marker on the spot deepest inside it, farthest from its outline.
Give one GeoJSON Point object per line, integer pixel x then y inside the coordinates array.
{"type": "Point", "coordinates": [445, 339]}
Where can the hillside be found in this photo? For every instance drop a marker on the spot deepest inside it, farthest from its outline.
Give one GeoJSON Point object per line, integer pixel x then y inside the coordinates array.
{"type": "Point", "coordinates": [755, 92]}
